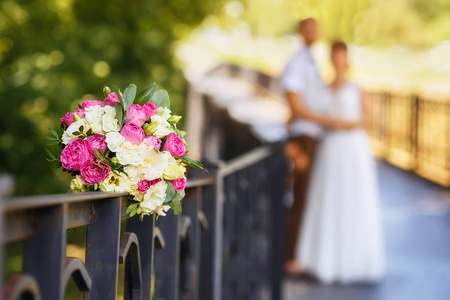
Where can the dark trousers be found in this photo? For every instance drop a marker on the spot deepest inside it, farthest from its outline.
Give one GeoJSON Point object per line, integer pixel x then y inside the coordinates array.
{"type": "Point", "coordinates": [301, 180]}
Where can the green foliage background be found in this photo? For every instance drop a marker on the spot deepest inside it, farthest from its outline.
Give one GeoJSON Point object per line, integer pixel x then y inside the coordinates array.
{"type": "Point", "coordinates": [54, 53]}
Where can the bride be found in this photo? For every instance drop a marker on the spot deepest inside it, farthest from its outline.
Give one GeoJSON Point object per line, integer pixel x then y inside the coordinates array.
{"type": "Point", "coordinates": [341, 239]}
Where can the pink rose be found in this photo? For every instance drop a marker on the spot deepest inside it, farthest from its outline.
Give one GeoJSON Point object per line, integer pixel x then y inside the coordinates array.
{"type": "Point", "coordinates": [152, 141]}
{"type": "Point", "coordinates": [179, 184]}
{"type": "Point", "coordinates": [133, 133]}
{"type": "Point", "coordinates": [69, 118]}
{"type": "Point", "coordinates": [111, 99]}
{"type": "Point", "coordinates": [174, 144]}
{"type": "Point", "coordinates": [144, 185]}
{"type": "Point", "coordinates": [93, 171]}
{"type": "Point", "coordinates": [149, 109]}
{"type": "Point", "coordinates": [135, 115]}
{"type": "Point", "coordinates": [74, 154]}
{"type": "Point", "coordinates": [88, 103]}
{"type": "Point", "coordinates": [96, 142]}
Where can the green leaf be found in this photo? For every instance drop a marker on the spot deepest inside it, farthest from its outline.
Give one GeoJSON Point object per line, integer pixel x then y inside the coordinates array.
{"type": "Point", "coordinates": [53, 143]}
{"type": "Point", "coordinates": [119, 113]}
{"type": "Point", "coordinates": [49, 153]}
{"type": "Point", "coordinates": [131, 207]}
{"type": "Point", "coordinates": [97, 154]}
{"type": "Point", "coordinates": [133, 213]}
{"type": "Point", "coordinates": [81, 128]}
{"type": "Point", "coordinates": [170, 192]}
{"type": "Point", "coordinates": [192, 162]}
{"type": "Point", "coordinates": [145, 95]}
{"type": "Point", "coordinates": [161, 99]}
{"type": "Point", "coordinates": [175, 205]}
{"type": "Point", "coordinates": [50, 138]}
{"type": "Point", "coordinates": [117, 91]}
{"type": "Point", "coordinates": [128, 96]}
{"type": "Point", "coordinates": [54, 133]}
{"type": "Point", "coordinates": [89, 132]}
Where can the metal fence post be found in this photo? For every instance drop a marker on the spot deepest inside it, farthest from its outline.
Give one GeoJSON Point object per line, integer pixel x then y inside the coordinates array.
{"type": "Point", "coordinates": [45, 250]}
{"type": "Point", "coordinates": [167, 260]}
{"type": "Point", "coordinates": [102, 248]}
{"type": "Point", "coordinates": [211, 240]}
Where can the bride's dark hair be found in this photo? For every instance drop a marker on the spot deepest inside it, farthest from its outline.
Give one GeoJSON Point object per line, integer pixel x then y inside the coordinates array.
{"type": "Point", "coordinates": [338, 45]}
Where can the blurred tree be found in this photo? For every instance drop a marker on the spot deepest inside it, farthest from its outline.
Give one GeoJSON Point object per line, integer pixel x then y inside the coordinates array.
{"type": "Point", "coordinates": [53, 52]}
{"type": "Point", "coordinates": [414, 23]}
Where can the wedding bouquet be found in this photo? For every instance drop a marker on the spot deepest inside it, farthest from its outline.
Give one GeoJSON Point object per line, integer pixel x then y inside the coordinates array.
{"type": "Point", "coordinates": [126, 143]}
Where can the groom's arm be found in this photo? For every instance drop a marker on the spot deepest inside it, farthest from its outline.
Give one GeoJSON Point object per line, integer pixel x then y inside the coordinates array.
{"type": "Point", "coordinates": [299, 110]}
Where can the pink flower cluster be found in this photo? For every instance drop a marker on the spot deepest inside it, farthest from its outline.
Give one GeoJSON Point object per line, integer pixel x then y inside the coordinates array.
{"type": "Point", "coordinates": [79, 155]}
{"type": "Point", "coordinates": [136, 114]}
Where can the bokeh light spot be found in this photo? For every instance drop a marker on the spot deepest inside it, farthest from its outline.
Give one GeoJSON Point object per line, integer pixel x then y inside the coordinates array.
{"type": "Point", "coordinates": [101, 69]}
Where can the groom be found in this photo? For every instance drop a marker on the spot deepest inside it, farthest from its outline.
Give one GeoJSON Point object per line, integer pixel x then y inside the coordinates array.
{"type": "Point", "coordinates": [304, 90]}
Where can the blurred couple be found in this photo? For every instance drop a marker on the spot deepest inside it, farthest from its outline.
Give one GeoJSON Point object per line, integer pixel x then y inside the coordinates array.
{"type": "Point", "coordinates": [333, 227]}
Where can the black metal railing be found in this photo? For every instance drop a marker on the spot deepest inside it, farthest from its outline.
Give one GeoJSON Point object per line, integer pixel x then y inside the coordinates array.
{"type": "Point", "coordinates": [412, 132]}
{"type": "Point", "coordinates": [225, 245]}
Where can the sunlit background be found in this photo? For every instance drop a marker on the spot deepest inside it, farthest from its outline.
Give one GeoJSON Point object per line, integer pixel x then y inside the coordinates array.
{"type": "Point", "coordinates": [54, 53]}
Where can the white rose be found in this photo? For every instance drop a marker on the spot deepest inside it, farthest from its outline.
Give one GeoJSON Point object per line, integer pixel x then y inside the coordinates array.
{"type": "Point", "coordinates": [75, 126]}
{"type": "Point", "coordinates": [154, 165]}
{"type": "Point", "coordinates": [163, 128]}
{"type": "Point", "coordinates": [110, 123]}
{"type": "Point", "coordinates": [114, 140]}
{"type": "Point", "coordinates": [164, 112]}
{"type": "Point", "coordinates": [93, 113]}
{"type": "Point", "coordinates": [109, 111]}
{"type": "Point", "coordinates": [129, 156]}
{"type": "Point", "coordinates": [155, 196]}
{"type": "Point", "coordinates": [97, 128]}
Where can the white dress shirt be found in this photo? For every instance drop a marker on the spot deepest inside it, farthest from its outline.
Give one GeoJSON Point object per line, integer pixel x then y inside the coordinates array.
{"type": "Point", "coordinates": [301, 76]}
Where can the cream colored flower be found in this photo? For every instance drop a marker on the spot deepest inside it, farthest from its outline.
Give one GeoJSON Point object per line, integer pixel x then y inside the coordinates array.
{"type": "Point", "coordinates": [93, 114]}
{"type": "Point", "coordinates": [163, 128]}
{"type": "Point", "coordinates": [97, 128]}
{"type": "Point", "coordinates": [132, 173]}
{"type": "Point", "coordinates": [110, 123]}
{"type": "Point", "coordinates": [75, 126]}
{"type": "Point", "coordinates": [174, 172]}
{"type": "Point", "coordinates": [114, 140]}
{"type": "Point", "coordinates": [155, 196]}
{"type": "Point", "coordinates": [109, 111]}
{"type": "Point", "coordinates": [164, 112]}
{"type": "Point", "coordinates": [153, 165]}
{"type": "Point", "coordinates": [77, 184]}
{"type": "Point", "coordinates": [162, 209]}
{"type": "Point", "coordinates": [129, 155]}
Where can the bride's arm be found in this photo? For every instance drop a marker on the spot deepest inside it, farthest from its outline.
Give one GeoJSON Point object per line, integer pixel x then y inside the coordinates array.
{"type": "Point", "coordinates": [300, 111]}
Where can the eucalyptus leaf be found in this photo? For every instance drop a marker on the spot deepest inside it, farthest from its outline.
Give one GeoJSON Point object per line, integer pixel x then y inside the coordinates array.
{"type": "Point", "coordinates": [119, 96]}
{"type": "Point", "coordinates": [145, 95]}
{"type": "Point", "coordinates": [170, 192]}
{"type": "Point", "coordinates": [128, 96]}
{"type": "Point", "coordinates": [161, 99]}
{"type": "Point", "coordinates": [119, 114]}
{"type": "Point", "coordinates": [175, 205]}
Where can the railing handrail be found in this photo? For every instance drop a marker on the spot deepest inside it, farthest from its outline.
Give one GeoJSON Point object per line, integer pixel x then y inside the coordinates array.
{"type": "Point", "coordinates": [41, 201]}
{"type": "Point", "coordinates": [245, 160]}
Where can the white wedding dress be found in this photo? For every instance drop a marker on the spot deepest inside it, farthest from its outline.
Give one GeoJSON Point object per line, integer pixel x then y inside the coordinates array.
{"type": "Point", "coordinates": [341, 238]}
